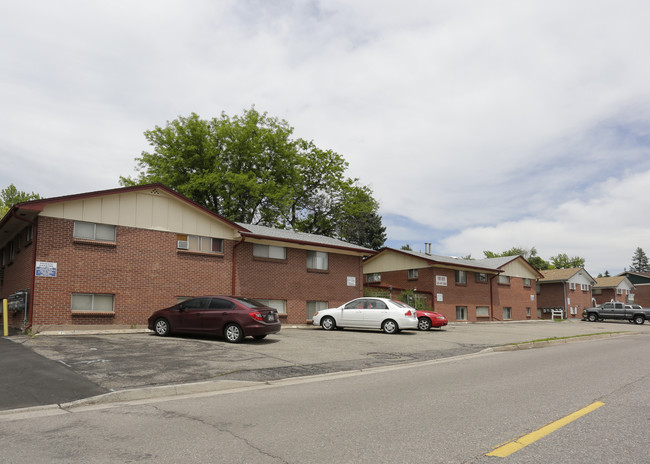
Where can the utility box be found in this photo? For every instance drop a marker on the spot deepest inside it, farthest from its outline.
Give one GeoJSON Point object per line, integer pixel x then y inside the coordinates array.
{"type": "Point", "coordinates": [17, 301]}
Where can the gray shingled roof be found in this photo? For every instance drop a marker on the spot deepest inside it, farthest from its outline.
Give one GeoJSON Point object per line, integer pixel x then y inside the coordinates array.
{"type": "Point", "coordinates": [486, 263]}
{"type": "Point", "coordinates": [293, 236]}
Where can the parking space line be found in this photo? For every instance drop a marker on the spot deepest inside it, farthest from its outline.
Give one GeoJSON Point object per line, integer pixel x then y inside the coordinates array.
{"type": "Point", "coordinates": [509, 448]}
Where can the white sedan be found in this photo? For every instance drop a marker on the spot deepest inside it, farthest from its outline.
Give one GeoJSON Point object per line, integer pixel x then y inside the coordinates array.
{"type": "Point", "coordinates": [369, 313]}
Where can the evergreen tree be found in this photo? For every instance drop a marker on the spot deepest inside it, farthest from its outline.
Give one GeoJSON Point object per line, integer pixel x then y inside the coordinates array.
{"type": "Point", "coordinates": [640, 261]}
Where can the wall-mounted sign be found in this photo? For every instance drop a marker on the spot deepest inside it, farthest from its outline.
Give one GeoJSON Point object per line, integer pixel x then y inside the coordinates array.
{"type": "Point", "coordinates": [352, 281]}
{"type": "Point", "coordinates": [438, 296]}
{"type": "Point", "coordinates": [441, 281]}
{"type": "Point", "coordinates": [45, 269]}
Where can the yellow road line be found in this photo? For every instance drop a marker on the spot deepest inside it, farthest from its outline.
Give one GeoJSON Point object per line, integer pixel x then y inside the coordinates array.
{"type": "Point", "coordinates": [509, 448]}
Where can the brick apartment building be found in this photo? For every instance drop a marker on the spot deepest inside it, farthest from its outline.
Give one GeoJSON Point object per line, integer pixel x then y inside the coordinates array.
{"type": "Point", "coordinates": [641, 283]}
{"type": "Point", "coordinates": [617, 288]}
{"type": "Point", "coordinates": [110, 258]}
{"type": "Point", "coordinates": [492, 289]}
{"type": "Point", "coordinates": [568, 289]}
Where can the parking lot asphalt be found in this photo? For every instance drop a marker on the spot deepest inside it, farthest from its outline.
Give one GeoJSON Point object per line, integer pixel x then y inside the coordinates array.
{"type": "Point", "coordinates": [109, 365]}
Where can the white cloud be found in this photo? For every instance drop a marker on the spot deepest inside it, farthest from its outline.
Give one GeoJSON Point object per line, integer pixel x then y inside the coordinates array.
{"type": "Point", "coordinates": [605, 230]}
{"type": "Point", "coordinates": [471, 118]}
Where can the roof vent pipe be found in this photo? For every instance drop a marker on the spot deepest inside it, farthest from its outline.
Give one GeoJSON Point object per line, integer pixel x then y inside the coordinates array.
{"type": "Point", "coordinates": [427, 248]}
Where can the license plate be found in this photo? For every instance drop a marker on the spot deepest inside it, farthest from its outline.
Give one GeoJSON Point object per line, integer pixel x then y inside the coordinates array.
{"type": "Point", "coordinates": [270, 318]}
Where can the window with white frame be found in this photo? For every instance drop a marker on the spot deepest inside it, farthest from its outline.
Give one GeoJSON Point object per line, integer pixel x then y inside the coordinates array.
{"type": "Point", "coordinates": [619, 291]}
{"type": "Point", "coordinates": [93, 302]}
{"type": "Point", "coordinates": [481, 276]}
{"type": "Point", "coordinates": [461, 277]}
{"type": "Point", "coordinates": [269, 251]}
{"type": "Point", "coordinates": [526, 282]}
{"type": "Point", "coordinates": [413, 274]}
{"type": "Point", "coordinates": [199, 243]}
{"type": "Point", "coordinates": [317, 260]}
{"type": "Point", "coordinates": [584, 287]}
{"type": "Point", "coordinates": [314, 306]}
{"type": "Point", "coordinates": [503, 279]}
{"type": "Point", "coordinates": [92, 231]}
{"type": "Point", "coordinates": [482, 311]}
{"type": "Point", "coordinates": [461, 313]}
{"type": "Point", "coordinates": [373, 277]}
{"type": "Point", "coordinates": [527, 312]}
{"type": "Point", "coordinates": [279, 305]}
{"type": "Point", "coordinates": [572, 285]}
{"type": "Point", "coordinates": [507, 313]}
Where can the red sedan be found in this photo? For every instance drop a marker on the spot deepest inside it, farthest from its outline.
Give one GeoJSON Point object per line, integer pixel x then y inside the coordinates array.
{"type": "Point", "coordinates": [233, 318]}
{"type": "Point", "coordinates": [428, 319]}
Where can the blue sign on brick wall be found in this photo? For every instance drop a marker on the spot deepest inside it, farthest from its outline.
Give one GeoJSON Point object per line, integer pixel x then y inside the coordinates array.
{"type": "Point", "coordinates": [45, 269]}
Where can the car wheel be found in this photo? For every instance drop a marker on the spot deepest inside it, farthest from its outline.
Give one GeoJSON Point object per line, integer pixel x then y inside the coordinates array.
{"type": "Point", "coordinates": [389, 326]}
{"type": "Point", "coordinates": [259, 337]}
{"type": "Point", "coordinates": [639, 319]}
{"type": "Point", "coordinates": [233, 333]}
{"type": "Point", "coordinates": [424, 323]}
{"type": "Point", "coordinates": [161, 327]}
{"type": "Point", "coordinates": [593, 317]}
{"type": "Point", "coordinates": [328, 323]}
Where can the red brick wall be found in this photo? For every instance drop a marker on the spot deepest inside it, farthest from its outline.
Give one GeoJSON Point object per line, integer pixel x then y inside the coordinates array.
{"type": "Point", "coordinates": [471, 295]}
{"type": "Point", "coordinates": [551, 295]}
{"type": "Point", "coordinates": [515, 296]}
{"type": "Point", "coordinates": [289, 280]}
{"type": "Point", "coordinates": [579, 298]}
{"type": "Point", "coordinates": [143, 269]}
{"type": "Point", "coordinates": [609, 294]}
{"type": "Point", "coordinates": [642, 295]}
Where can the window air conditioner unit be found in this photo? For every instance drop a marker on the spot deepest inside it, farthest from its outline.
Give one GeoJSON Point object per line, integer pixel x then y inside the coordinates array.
{"type": "Point", "coordinates": [183, 244]}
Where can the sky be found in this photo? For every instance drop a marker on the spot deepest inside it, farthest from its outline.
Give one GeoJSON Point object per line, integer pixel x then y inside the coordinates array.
{"type": "Point", "coordinates": [479, 125]}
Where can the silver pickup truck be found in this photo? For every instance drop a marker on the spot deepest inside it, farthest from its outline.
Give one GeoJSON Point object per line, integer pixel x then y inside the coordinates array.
{"type": "Point", "coordinates": [614, 310]}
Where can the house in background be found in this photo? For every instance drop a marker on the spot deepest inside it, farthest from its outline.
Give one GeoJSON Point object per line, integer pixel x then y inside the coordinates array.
{"type": "Point", "coordinates": [491, 289]}
{"type": "Point", "coordinates": [568, 289]}
{"type": "Point", "coordinates": [641, 283]}
{"type": "Point", "coordinates": [112, 257]}
{"type": "Point", "coordinates": [617, 288]}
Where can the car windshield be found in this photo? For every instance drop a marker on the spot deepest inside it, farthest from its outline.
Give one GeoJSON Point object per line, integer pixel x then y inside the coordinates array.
{"type": "Point", "coordinates": [250, 303]}
{"type": "Point", "coordinates": [401, 304]}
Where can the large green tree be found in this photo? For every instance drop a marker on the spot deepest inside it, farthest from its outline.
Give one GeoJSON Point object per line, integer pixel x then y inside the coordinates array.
{"type": "Point", "coordinates": [11, 195]}
{"type": "Point", "coordinates": [563, 261]}
{"type": "Point", "coordinates": [250, 169]}
{"type": "Point", "coordinates": [530, 254]}
{"type": "Point", "coordinates": [640, 261]}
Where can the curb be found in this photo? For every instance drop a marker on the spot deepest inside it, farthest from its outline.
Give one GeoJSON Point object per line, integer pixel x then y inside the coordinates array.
{"type": "Point", "coordinates": [560, 341]}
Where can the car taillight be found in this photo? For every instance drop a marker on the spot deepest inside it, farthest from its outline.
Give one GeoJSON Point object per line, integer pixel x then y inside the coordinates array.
{"type": "Point", "coordinates": [408, 313]}
{"type": "Point", "coordinates": [256, 315]}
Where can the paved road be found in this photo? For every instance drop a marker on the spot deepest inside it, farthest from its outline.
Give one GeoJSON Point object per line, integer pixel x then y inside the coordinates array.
{"type": "Point", "coordinates": [29, 379]}
{"type": "Point", "coordinates": [61, 368]}
{"type": "Point", "coordinates": [453, 410]}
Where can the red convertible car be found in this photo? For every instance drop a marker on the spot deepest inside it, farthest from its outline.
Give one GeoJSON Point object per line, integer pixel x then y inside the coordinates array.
{"type": "Point", "coordinates": [428, 319]}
